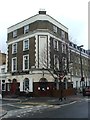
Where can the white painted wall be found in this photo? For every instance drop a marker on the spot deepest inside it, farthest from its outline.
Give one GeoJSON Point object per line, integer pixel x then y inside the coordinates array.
{"type": "Point", "coordinates": [74, 79]}
{"type": "Point", "coordinates": [21, 85]}
{"type": "Point", "coordinates": [35, 76]}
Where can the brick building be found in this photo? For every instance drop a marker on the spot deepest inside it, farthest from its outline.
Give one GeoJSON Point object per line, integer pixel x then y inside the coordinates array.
{"type": "Point", "coordinates": [37, 47]}
{"type": "Point", "coordinates": [38, 56]}
{"type": "Point", "coordinates": [2, 58]}
{"type": "Point", "coordinates": [3, 71]}
{"type": "Point", "coordinates": [75, 67]}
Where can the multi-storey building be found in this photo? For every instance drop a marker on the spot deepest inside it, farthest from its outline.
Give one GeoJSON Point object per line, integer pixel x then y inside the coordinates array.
{"type": "Point", "coordinates": [2, 58]}
{"type": "Point", "coordinates": [3, 76]}
{"type": "Point", "coordinates": [40, 54]}
{"type": "Point", "coordinates": [79, 60]}
{"type": "Point", "coordinates": [37, 47]}
{"type": "Point", "coordinates": [3, 71]}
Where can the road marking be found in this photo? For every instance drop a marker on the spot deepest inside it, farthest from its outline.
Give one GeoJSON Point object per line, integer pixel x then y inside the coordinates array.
{"type": "Point", "coordinates": [57, 106]}
{"type": "Point", "coordinates": [85, 99]}
{"type": "Point", "coordinates": [68, 103]}
{"type": "Point", "coordinates": [24, 106]}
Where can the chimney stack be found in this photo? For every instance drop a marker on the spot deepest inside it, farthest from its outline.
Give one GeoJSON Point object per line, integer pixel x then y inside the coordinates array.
{"type": "Point", "coordinates": [42, 11]}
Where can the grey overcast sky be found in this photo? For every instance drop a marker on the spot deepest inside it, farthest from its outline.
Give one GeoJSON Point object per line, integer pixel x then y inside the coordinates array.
{"type": "Point", "coordinates": [71, 13]}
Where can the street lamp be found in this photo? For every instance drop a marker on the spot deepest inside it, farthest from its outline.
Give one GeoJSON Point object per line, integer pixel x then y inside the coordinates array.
{"type": "Point", "coordinates": [82, 78]}
{"type": "Point", "coordinates": [43, 72]}
{"type": "Point", "coordinates": [70, 69]}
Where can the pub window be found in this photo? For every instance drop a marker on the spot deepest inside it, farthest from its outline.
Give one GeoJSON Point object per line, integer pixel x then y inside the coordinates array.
{"type": "Point", "coordinates": [63, 34]}
{"type": "Point", "coordinates": [2, 70]}
{"type": "Point", "coordinates": [63, 48]}
{"type": "Point", "coordinates": [55, 29]}
{"type": "Point", "coordinates": [26, 29]}
{"type": "Point", "coordinates": [14, 48]}
{"type": "Point", "coordinates": [14, 64]}
{"type": "Point", "coordinates": [26, 44]}
{"type": "Point", "coordinates": [56, 62]}
{"type": "Point", "coordinates": [26, 84]}
{"type": "Point", "coordinates": [14, 33]}
{"type": "Point", "coordinates": [56, 46]}
{"type": "Point", "coordinates": [25, 62]}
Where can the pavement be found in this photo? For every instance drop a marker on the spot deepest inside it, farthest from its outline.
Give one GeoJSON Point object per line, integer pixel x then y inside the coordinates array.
{"type": "Point", "coordinates": [36, 101]}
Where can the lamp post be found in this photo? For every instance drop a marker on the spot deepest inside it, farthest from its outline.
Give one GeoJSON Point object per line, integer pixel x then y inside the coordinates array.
{"type": "Point", "coordinates": [43, 72]}
{"type": "Point", "coordinates": [70, 70]}
{"type": "Point", "coordinates": [82, 78]}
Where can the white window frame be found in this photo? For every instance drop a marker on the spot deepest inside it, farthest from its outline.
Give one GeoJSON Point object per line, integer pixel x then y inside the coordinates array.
{"type": "Point", "coordinates": [63, 48]}
{"type": "Point", "coordinates": [14, 33]}
{"type": "Point", "coordinates": [55, 29]}
{"type": "Point", "coordinates": [62, 34]}
{"type": "Point", "coordinates": [56, 47]}
{"type": "Point", "coordinates": [76, 73]}
{"type": "Point", "coordinates": [2, 70]}
{"type": "Point", "coordinates": [25, 86]}
{"type": "Point", "coordinates": [65, 63]}
{"type": "Point", "coordinates": [24, 46]}
{"type": "Point", "coordinates": [13, 64]}
{"type": "Point", "coordinates": [24, 62]}
{"type": "Point", "coordinates": [26, 29]}
{"type": "Point", "coordinates": [14, 50]}
{"type": "Point", "coordinates": [56, 61]}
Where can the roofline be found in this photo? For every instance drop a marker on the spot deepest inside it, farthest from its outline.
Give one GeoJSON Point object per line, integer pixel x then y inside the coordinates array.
{"type": "Point", "coordinates": [34, 16]}
{"type": "Point", "coordinates": [57, 21]}
{"type": "Point", "coordinates": [22, 21]}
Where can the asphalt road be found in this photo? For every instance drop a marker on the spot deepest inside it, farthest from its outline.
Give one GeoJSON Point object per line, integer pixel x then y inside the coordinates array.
{"type": "Point", "coordinates": [76, 110]}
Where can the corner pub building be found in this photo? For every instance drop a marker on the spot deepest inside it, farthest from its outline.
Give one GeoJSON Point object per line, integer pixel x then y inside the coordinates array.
{"type": "Point", "coordinates": [37, 49]}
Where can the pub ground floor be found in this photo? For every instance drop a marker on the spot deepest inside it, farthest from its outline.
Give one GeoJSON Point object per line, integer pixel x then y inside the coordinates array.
{"type": "Point", "coordinates": [39, 84]}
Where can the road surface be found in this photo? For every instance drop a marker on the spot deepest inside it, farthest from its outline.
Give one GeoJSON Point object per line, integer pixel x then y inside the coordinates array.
{"type": "Point", "coordinates": [76, 109]}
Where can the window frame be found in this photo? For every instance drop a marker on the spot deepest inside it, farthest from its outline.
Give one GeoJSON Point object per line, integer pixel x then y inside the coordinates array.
{"type": "Point", "coordinates": [63, 48]}
{"type": "Point", "coordinates": [26, 29]}
{"type": "Point", "coordinates": [14, 33]}
{"type": "Point", "coordinates": [24, 62]}
{"type": "Point", "coordinates": [56, 44]}
{"type": "Point", "coordinates": [14, 50]}
{"type": "Point", "coordinates": [2, 70]}
{"type": "Point", "coordinates": [56, 61]}
{"type": "Point", "coordinates": [14, 70]}
{"type": "Point", "coordinates": [54, 29]}
{"type": "Point", "coordinates": [63, 34]}
{"type": "Point", "coordinates": [24, 46]}
{"type": "Point", "coordinates": [25, 85]}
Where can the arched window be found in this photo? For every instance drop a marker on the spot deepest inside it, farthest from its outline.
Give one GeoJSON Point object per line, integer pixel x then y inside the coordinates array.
{"type": "Point", "coordinates": [26, 84]}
